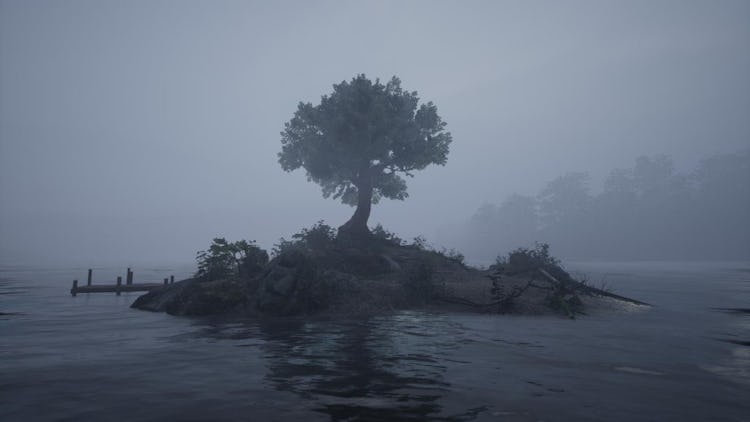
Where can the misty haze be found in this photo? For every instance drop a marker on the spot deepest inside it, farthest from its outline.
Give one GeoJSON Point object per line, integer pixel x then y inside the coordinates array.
{"type": "Point", "coordinates": [374, 210]}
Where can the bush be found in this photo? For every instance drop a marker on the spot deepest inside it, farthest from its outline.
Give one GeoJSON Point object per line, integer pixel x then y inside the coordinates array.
{"type": "Point", "coordinates": [523, 260]}
{"type": "Point", "coordinates": [453, 255]}
{"type": "Point", "coordinates": [230, 259]}
{"type": "Point", "coordinates": [386, 236]}
{"type": "Point", "coordinates": [319, 237]}
{"type": "Point", "coordinates": [420, 243]}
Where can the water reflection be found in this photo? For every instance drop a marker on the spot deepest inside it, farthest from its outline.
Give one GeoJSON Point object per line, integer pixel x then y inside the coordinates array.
{"type": "Point", "coordinates": [387, 368]}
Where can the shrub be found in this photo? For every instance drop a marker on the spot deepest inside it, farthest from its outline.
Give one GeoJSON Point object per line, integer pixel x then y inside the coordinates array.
{"type": "Point", "coordinates": [420, 243]}
{"type": "Point", "coordinates": [319, 237]}
{"type": "Point", "coordinates": [453, 255]}
{"type": "Point", "coordinates": [523, 260]}
{"type": "Point", "coordinates": [384, 235]}
{"type": "Point", "coordinates": [227, 259]}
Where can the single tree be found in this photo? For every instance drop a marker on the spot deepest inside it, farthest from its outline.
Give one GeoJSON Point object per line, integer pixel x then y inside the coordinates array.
{"type": "Point", "coordinates": [359, 140]}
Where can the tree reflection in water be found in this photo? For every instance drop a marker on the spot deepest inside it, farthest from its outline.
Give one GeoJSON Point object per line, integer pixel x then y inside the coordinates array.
{"type": "Point", "coordinates": [385, 368]}
{"type": "Point", "coordinates": [353, 370]}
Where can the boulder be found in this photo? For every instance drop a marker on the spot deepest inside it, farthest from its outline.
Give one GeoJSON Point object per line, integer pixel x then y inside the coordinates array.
{"type": "Point", "coordinates": [291, 285]}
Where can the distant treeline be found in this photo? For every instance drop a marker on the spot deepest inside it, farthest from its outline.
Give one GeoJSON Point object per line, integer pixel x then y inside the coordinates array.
{"type": "Point", "coordinates": [645, 212]}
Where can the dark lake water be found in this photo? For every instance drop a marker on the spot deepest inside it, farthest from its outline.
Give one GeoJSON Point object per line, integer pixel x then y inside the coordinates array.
{"type": "Point", "coordinates": [92, 358]}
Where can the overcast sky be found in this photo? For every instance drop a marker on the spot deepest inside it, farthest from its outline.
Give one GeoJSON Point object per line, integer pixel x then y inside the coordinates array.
{"type": "Point", "coordinates": [135, 131]}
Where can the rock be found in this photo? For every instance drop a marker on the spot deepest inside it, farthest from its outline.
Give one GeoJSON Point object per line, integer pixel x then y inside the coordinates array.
{"type": "Point", "coordinates": [393, 266]}
{"type": "Point", "coordinates": [365, 264]}
{"type": "Point", "coordinates": [158, 300]}
{"type": "Point", "coordinates": [291, 285]}
{"type": "Point", "coordinates": [194, 297]}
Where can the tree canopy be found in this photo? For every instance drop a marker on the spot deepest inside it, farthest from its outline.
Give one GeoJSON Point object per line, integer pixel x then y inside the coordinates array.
{"type": "Point", "coordinates": [361, 139]}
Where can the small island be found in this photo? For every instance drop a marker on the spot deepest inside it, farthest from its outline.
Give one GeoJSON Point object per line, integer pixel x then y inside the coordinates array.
{"type": "Point", "coordinates": [321, 273]}
{"type": "Point", "coordinates": [357, 144]}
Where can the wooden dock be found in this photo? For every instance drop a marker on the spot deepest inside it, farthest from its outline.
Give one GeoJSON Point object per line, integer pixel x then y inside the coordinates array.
{"type": "Point", "coordinates": [118, 287]}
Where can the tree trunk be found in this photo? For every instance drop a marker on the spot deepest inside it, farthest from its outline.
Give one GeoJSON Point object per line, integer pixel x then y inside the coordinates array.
{"type": "Point", "coordinates": [357, 224]}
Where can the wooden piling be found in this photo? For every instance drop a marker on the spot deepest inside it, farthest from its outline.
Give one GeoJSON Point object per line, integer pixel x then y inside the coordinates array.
{"type": "Point", "coordinates": [113, 288]}
{"type": "Point", "coordinates": [118, 287]}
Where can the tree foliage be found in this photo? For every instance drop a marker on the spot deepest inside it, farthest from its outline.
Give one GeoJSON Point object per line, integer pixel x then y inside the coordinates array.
{"type": "Point", "coordinates": [361, 139]}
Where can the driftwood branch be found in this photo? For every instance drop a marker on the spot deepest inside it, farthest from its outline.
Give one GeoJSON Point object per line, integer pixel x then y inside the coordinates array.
{"type": "Point", "coordinates": [536, 286]}
{"type": "Point", "coordinates": [592, 290]}
{"type": "Point", "coordinates": [518, 291]}
{"type": "Point", "coordinates": [549, 276]}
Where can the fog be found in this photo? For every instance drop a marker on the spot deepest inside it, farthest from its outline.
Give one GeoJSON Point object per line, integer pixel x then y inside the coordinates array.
{"type": "Point", "coordinates": [137, 131]}
{"type": "Point", "coordinates": [648, 211]}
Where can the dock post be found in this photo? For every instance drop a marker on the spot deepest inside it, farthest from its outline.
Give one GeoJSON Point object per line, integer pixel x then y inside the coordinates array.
{"type": "Point", "coordinates": [74, 290]}
{"type": "Point", "coordinates": [88, 279]}
{"type": "Point", "coordinates": [171, 279]}
{"type": "Point", "coordinates": [119, 284]}
{"type": "Point", "coordinates": [165, 281]}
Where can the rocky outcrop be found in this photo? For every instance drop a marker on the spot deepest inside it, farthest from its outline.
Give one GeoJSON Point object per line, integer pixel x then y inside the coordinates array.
{"type": "Point", "coordinates": [291, 285]}
{"type": "Point", "coordinates": [195, 297]}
